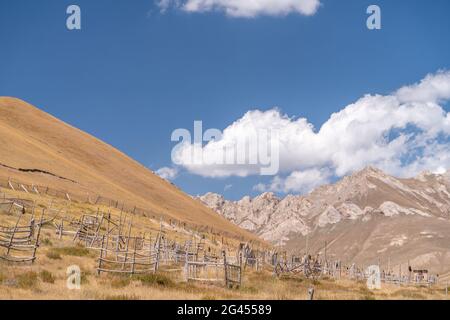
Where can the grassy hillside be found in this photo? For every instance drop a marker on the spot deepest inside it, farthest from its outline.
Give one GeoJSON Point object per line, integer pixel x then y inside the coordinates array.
{"type": "Point", "coordinates": [37, 148]}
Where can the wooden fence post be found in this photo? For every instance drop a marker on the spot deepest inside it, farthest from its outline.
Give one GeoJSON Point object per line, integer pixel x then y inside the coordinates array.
{"type": "Point", "coordinates": [446, 289]}
{"type": "Point", "coordinates": [61, 229]}
{"type": "Point", "coordinates": [101, 257]}
{"type": "Point", "coordinates": [157, 253]}
{"type": "Point", "coordinates": [186, 265]}
{"type": "Point", "coordinates": [11, 239]}
{"type": "Point", "coordinates": [311, 293]}
{"type": "Point", "coordinates": [134, 257]}
{"type": "Point", "coordinates": [126, 247]}
{"type": "Point", "coordinates": [36, 245]}
{"type": "Point", "coordinates": [240, 268]}
{"type": "Point", "coordinates": [225, 267]}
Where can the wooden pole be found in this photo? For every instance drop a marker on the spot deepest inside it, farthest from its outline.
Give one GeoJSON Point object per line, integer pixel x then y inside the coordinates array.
{"type": "Point", "coordinates": [225, 267]}
{"type": "Point", "coordinates": [126, 246]}
{"type": "Point", "coordinates": [311, 293]}
{"type": "Point", "coordinates": [101, 257]}
{"type": "Point", "coordinates": [36, 245]}
{"type": "Point", "coordinates": [12, 235]}
{"type": "Point", "coordinates": [134, 256]}
{"type": "Point", "coordinates": [157, 253]}
{"type": "Point", "coordinates": [446, 289]}
{"type": "Point", "coordinates": [240, 268]}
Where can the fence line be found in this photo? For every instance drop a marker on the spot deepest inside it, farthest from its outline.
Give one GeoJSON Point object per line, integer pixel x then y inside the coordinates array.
{"type": "Point", "coordinates": [19, 243]}
{"type": "Point", "coordinates": [119, 252]}
{"type": "Point", "coordinates": [314, 268]}
{"type": "Point", "coordinates": [96, 199]}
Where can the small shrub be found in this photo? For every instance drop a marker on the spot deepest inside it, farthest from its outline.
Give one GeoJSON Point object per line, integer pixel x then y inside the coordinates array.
{"type": "Point", "coordinates": [316, 282]}
{"type": "Point", "coordinates": [27, 280]}
{"type": "Point", "coordinates": [72, 251]}
{"type": "Point", "coordinates": [120, 282]}
{"type": "Point", "coordinates": [409, 294]}
{"type": "Point", "coordinates": [84, 277]}
{"type": "Point", "coordinates": [365, 291]}
{"type": "Point", "coordinates": [46, 242]}
{"type": "Point", "coordinates": [53, 255]}
{"type": "Point", "coordinates": [155, 279]}
{"type": "Point", "coordinates": [47, 276]}
{"type": "Point", "coordinates": [248, 289]}
{"type": "Point", "coordinates": [291, 279]}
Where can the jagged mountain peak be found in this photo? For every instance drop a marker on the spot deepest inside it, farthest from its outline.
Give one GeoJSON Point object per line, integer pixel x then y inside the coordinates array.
{"type": "Point", "coordinates": [363, 217]}
{"type": "Point", "coordinates": [357, 196]}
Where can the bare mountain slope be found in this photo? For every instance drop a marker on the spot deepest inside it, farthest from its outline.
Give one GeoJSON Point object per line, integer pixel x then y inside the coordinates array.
{"type": "Point", "coordinates": [38, 148]}
{"type": "Point", "coordinates": [365, 217]}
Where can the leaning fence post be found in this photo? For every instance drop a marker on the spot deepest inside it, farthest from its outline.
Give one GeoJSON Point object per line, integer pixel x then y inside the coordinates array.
{"type": "Point", "coordinates": [61, 229]}
{"type": "Point", "coordinates": [240, 268]}
{"type": "Point", "coordinates": [225, 267]}
{"type": "Point", "coordinates": [11, 240]}
{"type": "Point", "coordinates": [101, 257]}
{"type": "Point", "coordinates": [36, 245]}
{"type": "Point", "coordinates": [134, 256]}
{"type": "Point", "coordinates": [186, 266]}
{"type": "Point", "coordinates": [157, 254]}
{"type": "Point", "coordinates": [311, 293]}
{"type": "Point", "coordinates": [446, 289]}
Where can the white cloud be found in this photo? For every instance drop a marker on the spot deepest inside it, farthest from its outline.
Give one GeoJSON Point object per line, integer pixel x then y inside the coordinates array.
{"type": "Point", "coordinates": [433, 88]}
{"type": "Point", "coordinates": [402, 133]}
{"type": "Point", "coordinates": [167, 173]}
{"type": "Point", "coordinates": [227, 187]}
{"type": "Point", "coordinates": [163, 5]}
{"type": "Point", "coordinates": [244, 8]}
{"type": "Point", "coordinates": [298, 182]}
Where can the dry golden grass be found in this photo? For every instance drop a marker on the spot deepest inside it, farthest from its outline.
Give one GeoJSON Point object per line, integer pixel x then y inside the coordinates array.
{"type": "Point", "coordinates": [24, 283]}
{"type": "Point", "coordinates": [47, 278]}
{"type": "Point", "coordinates": [80, 163]}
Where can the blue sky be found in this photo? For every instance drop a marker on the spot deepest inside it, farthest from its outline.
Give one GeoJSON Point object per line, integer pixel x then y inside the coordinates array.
{"type": "Point", "coordinates": [132, 74]}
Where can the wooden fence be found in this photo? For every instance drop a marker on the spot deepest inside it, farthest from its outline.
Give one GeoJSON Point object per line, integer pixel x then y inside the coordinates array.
{"type": "Point", "coordinates": [314, 268]}
{"type": "Point", "coordinates": [96, 199]}
{"type": "Point", "coordinates": [20, 243]}
{"type": "Point", "coordinates": [220, 271]}
{"type": "Point", "coordinates": [130, 255]}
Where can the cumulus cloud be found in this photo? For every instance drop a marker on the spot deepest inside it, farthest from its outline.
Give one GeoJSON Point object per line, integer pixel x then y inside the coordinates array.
{"type": "Point", "coordinates": [434, 88]}
{"type": "Point", "coordinates": [244, 8]}
{"type": "Point", "coordinates": [402, 133]}
{"type": "Point", "coordinates": [297, 182]}
{"type": "Point", "coordinates": [167, 173]}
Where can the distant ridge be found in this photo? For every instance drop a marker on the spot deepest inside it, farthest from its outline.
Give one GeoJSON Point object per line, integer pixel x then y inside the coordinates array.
{"type": "Point", "coordinates": [365, 218]}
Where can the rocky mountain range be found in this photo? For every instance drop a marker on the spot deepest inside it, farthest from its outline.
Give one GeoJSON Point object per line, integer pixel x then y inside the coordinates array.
{"type": "Point", "coordinates": [367, 217]}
